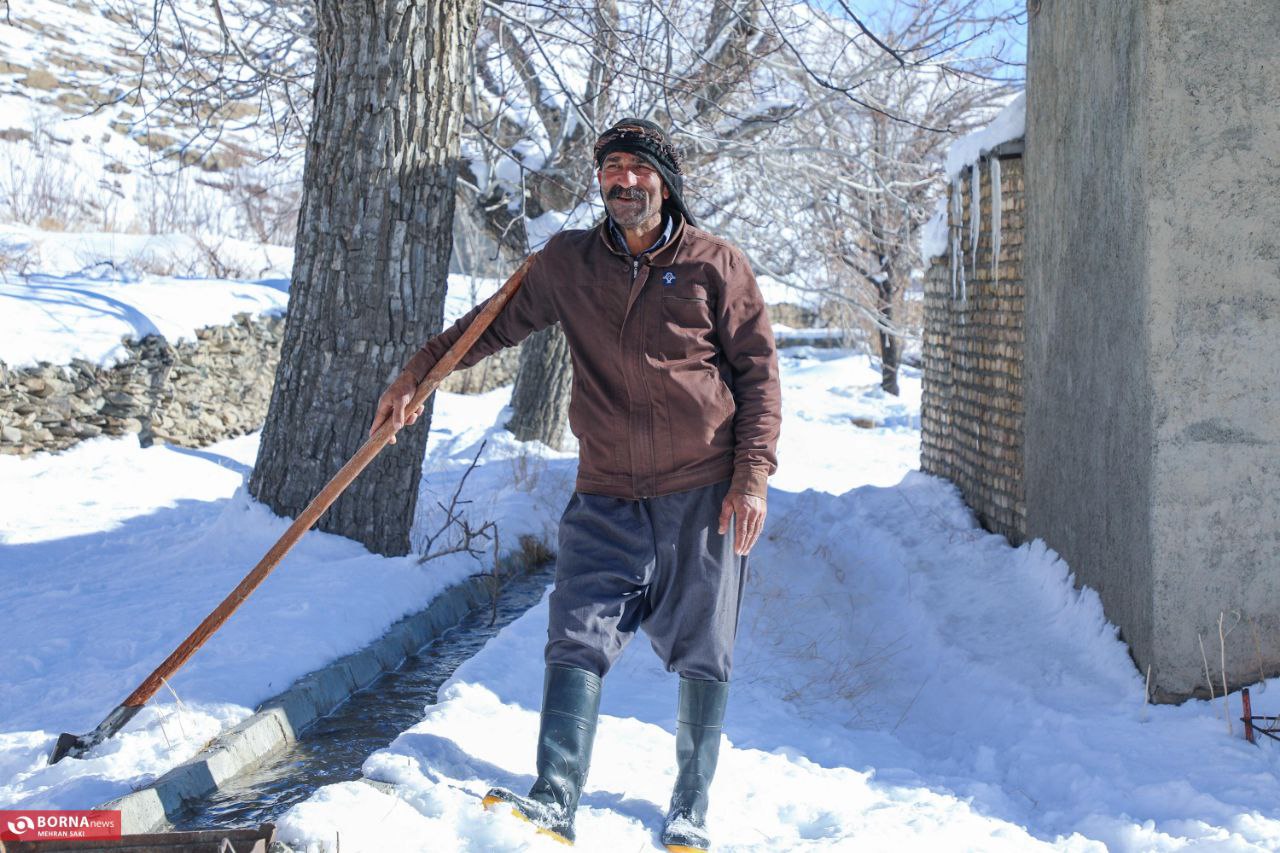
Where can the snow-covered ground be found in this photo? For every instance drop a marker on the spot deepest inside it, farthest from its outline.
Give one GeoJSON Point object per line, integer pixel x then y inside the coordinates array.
{"type": "Point", "coordinates": [89, 290]}
{"type": "Point", "coordinates": [76, 294]}
{"type": "Point", "coordinates": [904, 680]}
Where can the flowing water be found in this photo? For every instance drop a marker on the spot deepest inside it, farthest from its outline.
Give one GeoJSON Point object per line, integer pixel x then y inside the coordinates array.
{"type": "Point", "coordinates": [333, 748]}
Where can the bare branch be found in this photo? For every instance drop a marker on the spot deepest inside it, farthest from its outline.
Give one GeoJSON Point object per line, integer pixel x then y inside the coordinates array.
{"type": "Point", "coordinates": [469, 535]}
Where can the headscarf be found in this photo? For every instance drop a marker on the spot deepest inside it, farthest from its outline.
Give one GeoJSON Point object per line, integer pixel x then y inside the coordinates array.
{"type": "Point", "coordinates": [650, 143]}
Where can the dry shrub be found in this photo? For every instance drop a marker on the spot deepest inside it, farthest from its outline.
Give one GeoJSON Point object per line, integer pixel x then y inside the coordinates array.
{"type": "Point", "coordinates": [533, 552]}
{"type": "Point", "coordinates": [18, 258]}
{"type": "Point", "coordinates": [216, 263]}
{"type": "Point", "coordinates": [39, 187]}
{"type": "Point", "coordinates": [266, 206]}
{"type": "Point", "coordinates": [527, 468]}
{"type": "Point", "coordinates": [173, 204]}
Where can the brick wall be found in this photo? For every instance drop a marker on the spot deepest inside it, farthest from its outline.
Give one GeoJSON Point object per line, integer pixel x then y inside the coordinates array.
{"type": "Point", "coordinates": [971, 407]}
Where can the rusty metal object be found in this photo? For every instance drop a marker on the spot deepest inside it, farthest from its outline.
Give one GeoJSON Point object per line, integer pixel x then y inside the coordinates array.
{"type": "Point", "coordinates": [1248, 715]}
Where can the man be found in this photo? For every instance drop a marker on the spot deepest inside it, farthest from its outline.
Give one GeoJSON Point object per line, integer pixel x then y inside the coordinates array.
{"type": "Point", "coordinates": [676, 407]}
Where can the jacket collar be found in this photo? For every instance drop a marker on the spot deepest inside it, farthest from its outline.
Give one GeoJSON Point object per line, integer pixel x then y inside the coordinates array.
{"type": "Point", "coordinates": [676, 224]}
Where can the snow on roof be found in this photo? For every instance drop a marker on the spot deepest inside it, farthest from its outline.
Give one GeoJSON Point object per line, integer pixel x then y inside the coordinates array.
{"type": "Point", "coordinates": [1010, 123]}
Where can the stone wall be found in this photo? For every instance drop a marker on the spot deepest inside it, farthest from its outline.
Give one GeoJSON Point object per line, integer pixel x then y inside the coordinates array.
{"type": "Point", "coordinates": [971, 404]}
{"type": "Point", "coordinates": [192, 394]}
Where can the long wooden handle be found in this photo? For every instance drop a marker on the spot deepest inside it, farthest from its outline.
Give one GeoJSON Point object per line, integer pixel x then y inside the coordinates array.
{"type": "Point", "coordinates": [327, 496]}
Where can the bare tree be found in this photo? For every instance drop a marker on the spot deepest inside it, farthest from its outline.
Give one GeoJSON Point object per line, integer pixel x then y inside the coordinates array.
{"type": "Point", "coordinates": [812, 136]}
{"type": "Point", "coordinates": [548, 79]}
{"type": "Point", "coordinates": [371, 256]}
{"type": "Point", "coordinates": [218, 68]}
{"type": "Point", "coordinates": [855, 175]}
{"type": "Point", "coordinates": [778, 108]}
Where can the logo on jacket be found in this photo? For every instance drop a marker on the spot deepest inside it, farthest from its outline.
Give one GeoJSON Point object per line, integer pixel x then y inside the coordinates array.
{"type": "Point", "coordinates": [668, 278]}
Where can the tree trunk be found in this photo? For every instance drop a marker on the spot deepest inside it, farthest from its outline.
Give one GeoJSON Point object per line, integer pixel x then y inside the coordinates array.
{"type": "Point", "coordinates": [540, 400]}
{"type": "Point", "coordinates": [890, 347]}
{"type": "Point", "coordinates": [371, 257]}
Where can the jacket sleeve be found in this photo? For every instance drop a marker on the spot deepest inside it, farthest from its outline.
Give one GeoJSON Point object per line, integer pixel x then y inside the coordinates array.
{"type": "Point", "coordinates": [746, 340]}
{"type": "Point", "coordinates": [530, 309]}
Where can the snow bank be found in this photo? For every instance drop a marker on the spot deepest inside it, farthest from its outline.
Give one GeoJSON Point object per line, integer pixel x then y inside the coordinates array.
{"type": "Point", "coordinates": [94, 289]}
{"type": "Point", "coordinates": [903, 680]}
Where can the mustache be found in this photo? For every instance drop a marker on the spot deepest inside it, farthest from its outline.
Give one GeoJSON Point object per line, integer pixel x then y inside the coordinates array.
{"type": "Point", "coordinates": [634, 193]}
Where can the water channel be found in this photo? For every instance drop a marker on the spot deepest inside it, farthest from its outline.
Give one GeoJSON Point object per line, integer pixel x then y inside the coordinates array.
{"type": "Point", "coordinates": [333, 748]}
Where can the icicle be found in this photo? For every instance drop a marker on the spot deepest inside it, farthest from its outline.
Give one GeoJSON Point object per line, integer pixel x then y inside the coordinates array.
{"type": "Point", "coordinates": [995, 219]}
{"type": "Point", "coordinates": [957, 261]}
{"type": "Point", "coordinates": [975, 212]}
{"type": "Point", "coordinates": [960, 239]}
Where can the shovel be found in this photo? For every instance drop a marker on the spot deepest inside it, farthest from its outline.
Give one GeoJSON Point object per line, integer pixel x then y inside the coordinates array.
{"type": "Point", "coordinates": [77, 745]}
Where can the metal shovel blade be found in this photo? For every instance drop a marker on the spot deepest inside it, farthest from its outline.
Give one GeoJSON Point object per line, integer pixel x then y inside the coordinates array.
{"type": "Point", "coordinates": [76, 746]}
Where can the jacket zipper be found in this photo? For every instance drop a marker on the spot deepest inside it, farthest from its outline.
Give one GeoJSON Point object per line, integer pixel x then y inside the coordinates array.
{"type": "Point", "coordinates": [635, 271]}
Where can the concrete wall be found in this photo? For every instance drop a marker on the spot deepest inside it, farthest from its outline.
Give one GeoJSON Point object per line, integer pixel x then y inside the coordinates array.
{"type": "Point", "coordinates": [1214, 317]}
{"type": "Point", "coordinates": [1153, 348]}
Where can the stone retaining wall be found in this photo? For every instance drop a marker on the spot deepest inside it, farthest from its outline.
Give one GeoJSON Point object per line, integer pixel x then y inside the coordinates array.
{"type": "Point", "coordinates": [192, 394]}
{"type": "Point", "coordinates": [972, 397]}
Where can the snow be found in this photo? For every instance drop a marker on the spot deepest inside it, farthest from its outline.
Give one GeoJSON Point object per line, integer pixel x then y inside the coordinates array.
{"type": "Point", "coordinates": [111, 554]}
{"type": "Point", "coordinates": [1009, 124]}
{"type": "Point", "coordinates": [903, 680]}
{"type": "Point", "coordinates": [92, 291]}
{"type": "Point", "coordinates": [942, 691]}
{"type": "Point", "coordinates": [934, 236]}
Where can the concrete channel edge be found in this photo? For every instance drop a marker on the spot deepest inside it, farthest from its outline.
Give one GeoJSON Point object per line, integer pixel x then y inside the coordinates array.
{"type": "Point", "coordinates": [277, 721]}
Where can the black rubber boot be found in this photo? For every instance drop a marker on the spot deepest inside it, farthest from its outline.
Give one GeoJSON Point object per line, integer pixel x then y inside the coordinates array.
{"type": "Point", "coordinates": [570, 709]}
{"type": "Point", "coordinates": [698, 720]}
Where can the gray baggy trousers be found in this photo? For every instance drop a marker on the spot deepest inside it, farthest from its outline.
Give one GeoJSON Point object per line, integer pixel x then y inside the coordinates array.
{"type": "Point", "coordinates": [654, 563]}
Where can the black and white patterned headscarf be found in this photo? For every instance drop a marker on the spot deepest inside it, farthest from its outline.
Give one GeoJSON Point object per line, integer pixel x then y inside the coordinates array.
{"type": "Point", "coordinates": [649, 142]}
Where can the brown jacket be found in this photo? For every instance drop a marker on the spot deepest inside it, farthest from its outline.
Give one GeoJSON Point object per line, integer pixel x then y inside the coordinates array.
{"type": "Point", "coordinates": [675, 373]}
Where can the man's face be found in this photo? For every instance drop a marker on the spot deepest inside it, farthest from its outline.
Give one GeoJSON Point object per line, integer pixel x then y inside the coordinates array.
{"type": "Point", "coordinates": [632, 189]}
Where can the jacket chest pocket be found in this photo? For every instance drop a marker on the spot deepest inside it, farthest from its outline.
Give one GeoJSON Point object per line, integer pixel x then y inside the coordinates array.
{"type": "Point", "coordinates": [684, 324]}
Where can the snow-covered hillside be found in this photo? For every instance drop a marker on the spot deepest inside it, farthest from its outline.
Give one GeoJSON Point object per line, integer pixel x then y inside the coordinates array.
{"type": "Point", "coordinates": [89, 142]}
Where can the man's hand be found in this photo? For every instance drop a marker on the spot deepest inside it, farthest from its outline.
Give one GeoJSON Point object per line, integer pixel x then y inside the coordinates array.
{"type": "Point", "coordinates": [393, 403]}
{"type": "Point", "coordinates": [749, 511]}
